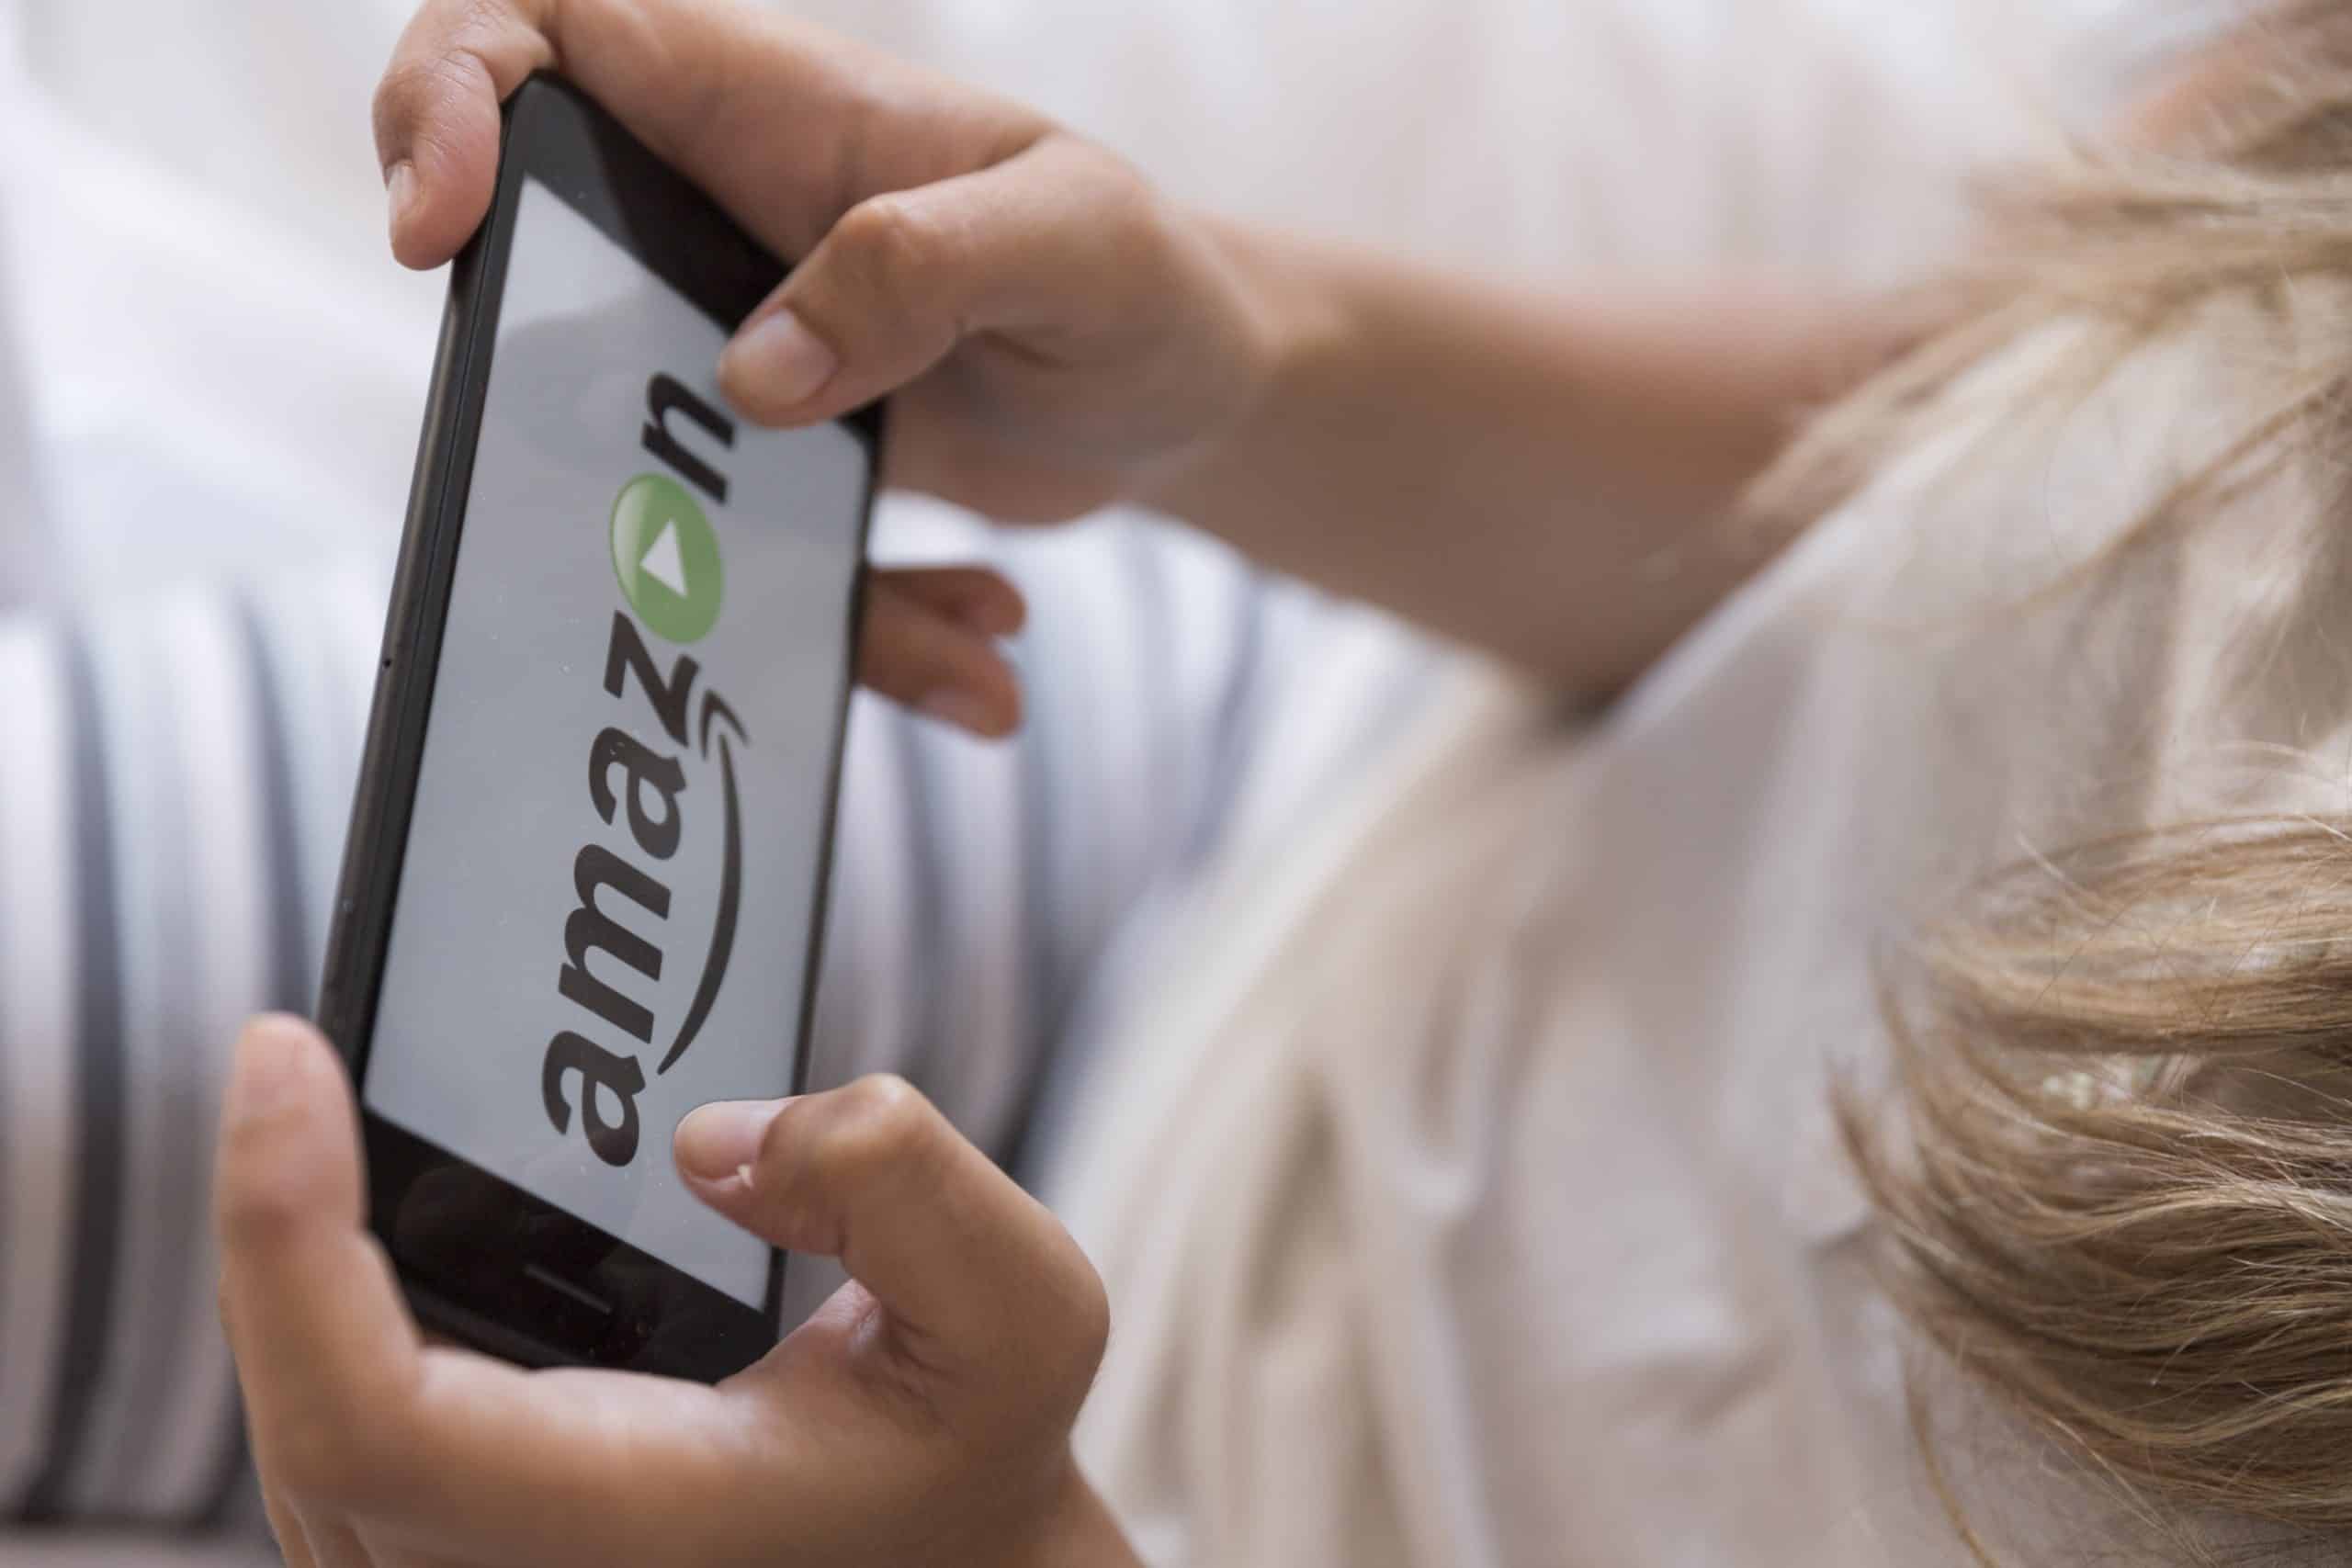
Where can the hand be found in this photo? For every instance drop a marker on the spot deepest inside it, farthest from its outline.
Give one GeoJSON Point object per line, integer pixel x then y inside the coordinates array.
{"type": "Point", "coordinates": [1053, 335]}
{"type": "Point", "coordinates": [922, 1416]}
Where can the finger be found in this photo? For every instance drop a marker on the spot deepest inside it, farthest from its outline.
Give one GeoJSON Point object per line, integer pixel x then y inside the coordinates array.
{"type": "Point", "coordinates": [974, 596]}
{"type": "Point", "coordinates": [906, 276]}
{"type": "Point", "coordinates": [914, 655]}
{"type": "Point", "coordinates": [699, 84]}
{"type": "Point", "coordinates": [438, 122]}
{"type": "Point", "coordinates": [322, 1338]}
{"type": "Point", "coordinates": [873, 1175]}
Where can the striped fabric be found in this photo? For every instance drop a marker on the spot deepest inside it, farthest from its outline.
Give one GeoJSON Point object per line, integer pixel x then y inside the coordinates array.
{"type": "Point", "coordinates": [173, 791]}
{"type": "Point", "coordinates": [169, 829]}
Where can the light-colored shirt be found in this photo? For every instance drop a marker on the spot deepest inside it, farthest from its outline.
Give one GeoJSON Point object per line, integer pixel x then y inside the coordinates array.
{"type": "Point", "coordinates": [1480, 1204]}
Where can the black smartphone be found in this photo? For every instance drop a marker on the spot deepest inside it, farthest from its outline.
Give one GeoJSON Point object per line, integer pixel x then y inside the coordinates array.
{"type": "Point", "coordinates": [585, 882]}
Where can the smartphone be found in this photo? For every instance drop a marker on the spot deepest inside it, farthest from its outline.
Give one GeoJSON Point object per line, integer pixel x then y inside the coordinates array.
{"type": "Point", "coordinates": [585, 882]}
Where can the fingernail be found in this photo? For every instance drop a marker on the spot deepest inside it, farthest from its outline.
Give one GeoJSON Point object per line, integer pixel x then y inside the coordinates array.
{"type": "Point", "coordinates": [961, 709]}
{"type": "Point", "coordinates": [777, 360]}
{"type": "Point", "coordinates": [723, 1139]}
{"type": "Point", "coordinates": [267, 1074]}
{"type": "Point", "coordinates": [400, 187]}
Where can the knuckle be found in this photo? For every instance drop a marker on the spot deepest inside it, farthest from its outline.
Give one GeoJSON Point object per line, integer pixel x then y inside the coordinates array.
{"type": "Point", "coordinates": [1121, 193]}
{"type": "Point", "coordinates": [1118, 198]}
{"type": "Point", "coordinates": [1128, 238]}
{"type": "Point", "coordinates": [467, 24]}
{"type": "Point", "coordinates": [1154, 233]}
{"type": "Point", "coordinates": [1146, 235]}
{"type": "Point", "coordinates": [482, 16]}
{"type": "Point", "coordinates": [445, 53]}
{"type": "Point", "coordinates": [825, 1147]}
{"type": "Point", "coordinates": [401, 100]}
{"type": "Point", "coordinates": [878, 1122]}
{"type": "Point", "coordinates": [888, 239]}
{"type": "Point", "coordinates": [411, 96]}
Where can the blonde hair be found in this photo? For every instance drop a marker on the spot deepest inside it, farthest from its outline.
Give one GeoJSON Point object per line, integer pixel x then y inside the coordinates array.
{"type": "Point", "coordinates": [2114, 1168]}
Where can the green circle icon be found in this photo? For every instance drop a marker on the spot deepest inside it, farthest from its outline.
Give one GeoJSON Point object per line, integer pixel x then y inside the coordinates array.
{"type": "Point", "coordinates": [666, 556]}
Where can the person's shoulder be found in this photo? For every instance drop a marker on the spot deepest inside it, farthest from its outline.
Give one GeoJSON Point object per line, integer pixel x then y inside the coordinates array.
{"type": "Point", "coordinates": [2121, 552]}
{"type": "Point", "coordinates": [2079, 449]}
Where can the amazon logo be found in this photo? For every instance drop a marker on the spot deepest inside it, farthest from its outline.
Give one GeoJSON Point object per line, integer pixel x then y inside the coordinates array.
{"type": "Point", "coordinates": [673, 740]}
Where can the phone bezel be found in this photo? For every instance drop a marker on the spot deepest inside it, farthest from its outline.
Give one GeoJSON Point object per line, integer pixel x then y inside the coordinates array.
{"type": "Point", "coordinates": [494, 1291]}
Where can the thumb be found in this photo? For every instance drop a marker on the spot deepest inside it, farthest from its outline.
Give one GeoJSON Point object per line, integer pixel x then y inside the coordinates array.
{"type": "Point", "coordinates": [873, 1175]}
{"type": "Point", "coordinates": [437, 119]}
{"type": "Point", "coordinates": [290, 1147]}
{"type": "Point", "coordinates": [307, 1296]}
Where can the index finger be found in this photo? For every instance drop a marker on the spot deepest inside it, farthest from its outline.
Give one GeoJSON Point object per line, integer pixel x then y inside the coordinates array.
{"type": "Point", "coordinates": [782, 123]}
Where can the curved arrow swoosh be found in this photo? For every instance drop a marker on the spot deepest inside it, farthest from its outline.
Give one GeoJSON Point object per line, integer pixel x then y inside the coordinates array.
{"type": "Point", "coordinates": [722, 936]}
{"type": "Point", "coordinates": [715, 710]}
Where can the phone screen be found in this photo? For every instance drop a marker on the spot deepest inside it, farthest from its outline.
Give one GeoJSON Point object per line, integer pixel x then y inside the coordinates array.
{"type": "Point", "coordinates": [606, 901]}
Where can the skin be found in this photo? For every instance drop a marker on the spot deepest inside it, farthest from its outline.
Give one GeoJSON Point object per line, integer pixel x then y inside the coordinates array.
{"type": "Point", "coordinates": [1542, 477]}
{"type": "Point", "coordinates": [922, 1416]}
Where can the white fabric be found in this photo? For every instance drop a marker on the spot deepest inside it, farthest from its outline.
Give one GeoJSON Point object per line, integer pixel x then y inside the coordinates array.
{"type": "Point", "coordinates": [35, 1078]}
{"type": "Point", "coordinates": [223, 374]}
{"type": "Point", "coordinates": [224, 369]}
{"type": "Point", "coordinates": [1468, 1194]}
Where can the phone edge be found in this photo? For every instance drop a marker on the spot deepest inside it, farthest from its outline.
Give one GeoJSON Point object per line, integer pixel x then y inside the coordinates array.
{"type": "Point", "coordinates": [358, 884]}
{"type": "Point", "coordinates": [407, 665]}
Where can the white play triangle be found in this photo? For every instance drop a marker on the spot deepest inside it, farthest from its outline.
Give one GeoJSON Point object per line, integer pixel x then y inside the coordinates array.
{"type": "Point", "coordinates": [664, 564]}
